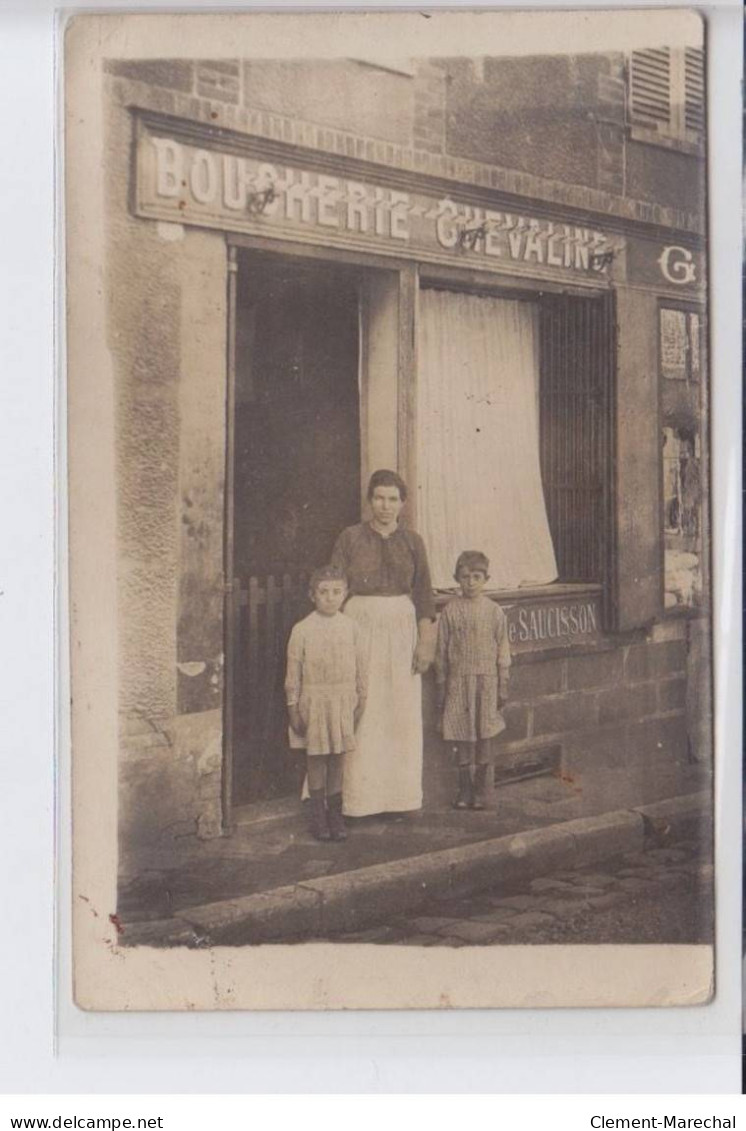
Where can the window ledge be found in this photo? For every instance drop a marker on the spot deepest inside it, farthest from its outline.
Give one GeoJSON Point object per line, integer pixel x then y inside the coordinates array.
{"type": "Point", "coordinates": [684, 612]}
{"type": "Point", "coordinates": [556, 590]}
{"type": "Point", "coordinates": [692, 143]}
{"type": "Point", "coordinates": [393, 67]}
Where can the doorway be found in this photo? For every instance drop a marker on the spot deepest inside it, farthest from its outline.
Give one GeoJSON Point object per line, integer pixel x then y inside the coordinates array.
{"type": "Point", "coordinates": [296, 476]}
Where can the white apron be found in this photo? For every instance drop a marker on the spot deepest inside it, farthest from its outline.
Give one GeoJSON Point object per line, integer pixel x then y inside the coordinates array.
{"type": "Point", "coordinates": [384, 772]}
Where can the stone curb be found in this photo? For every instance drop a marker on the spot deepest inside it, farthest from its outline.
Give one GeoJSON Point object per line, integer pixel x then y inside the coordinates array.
{"type": "Point", "coordinates": [679, 817]}
{"type": "Point", "coordinates": [351, 901]}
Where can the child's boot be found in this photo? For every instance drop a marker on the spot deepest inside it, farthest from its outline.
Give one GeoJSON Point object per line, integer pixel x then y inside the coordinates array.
{"type": "Point", "coordinates": [465, 796]}
{"type": "Point", "coordinates": [319, 826]}
{"type": "Point", "coordinates": [479, 800]}
{"type": "Point", "coordinates": [337, 829]}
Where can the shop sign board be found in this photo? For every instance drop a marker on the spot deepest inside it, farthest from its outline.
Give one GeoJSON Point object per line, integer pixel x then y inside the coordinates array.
{"type": "Point", "coordinates": [538, 625]}
{"type": "Point", "coordinates": [666, 265]}
{"type": "Point", "coordinates": [210, 187]}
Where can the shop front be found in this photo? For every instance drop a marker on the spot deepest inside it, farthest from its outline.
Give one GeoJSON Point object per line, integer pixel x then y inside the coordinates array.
{"type": "Point", "coordinates": [509, 355]}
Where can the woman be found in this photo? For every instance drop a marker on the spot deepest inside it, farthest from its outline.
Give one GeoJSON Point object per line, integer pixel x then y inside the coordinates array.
{"type": "Point", "coordinates": [392, 601]}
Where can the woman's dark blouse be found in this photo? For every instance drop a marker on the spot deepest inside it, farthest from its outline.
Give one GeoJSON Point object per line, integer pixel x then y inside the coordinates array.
{"type": "Point", "coordinates": [386, 567]}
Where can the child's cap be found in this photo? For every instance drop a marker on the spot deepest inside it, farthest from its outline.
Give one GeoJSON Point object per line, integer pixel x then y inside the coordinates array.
{"type": "Point", "coordinates": [326, 573]}
{"type": "Point", "coordinates": [472, 559]}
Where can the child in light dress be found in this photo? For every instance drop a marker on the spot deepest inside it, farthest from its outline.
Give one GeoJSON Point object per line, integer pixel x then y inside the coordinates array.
{"type": "Point", "coordinates": [472, 668]}
{"type": "Point", "coordinates": [325, 689]}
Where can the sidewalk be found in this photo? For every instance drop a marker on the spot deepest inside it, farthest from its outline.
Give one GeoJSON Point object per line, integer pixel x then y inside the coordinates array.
{"type": "Point", "coordinates": [270, 880]}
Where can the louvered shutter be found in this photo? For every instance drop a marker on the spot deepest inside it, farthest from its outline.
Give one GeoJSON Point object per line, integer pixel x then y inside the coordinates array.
{"type": "Point", "coordinates": [666, 90]}
{"type": "Point", "coordinates": [694, 108]}
{"type": "Point", "coordinates": [650, 87]}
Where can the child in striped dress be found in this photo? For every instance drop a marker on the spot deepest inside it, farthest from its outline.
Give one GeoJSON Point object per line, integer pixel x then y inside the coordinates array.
{"type": "Point", "coordinates": [472, 668]}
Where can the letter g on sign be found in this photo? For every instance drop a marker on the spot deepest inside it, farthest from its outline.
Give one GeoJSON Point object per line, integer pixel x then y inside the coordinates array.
{"type": "Point", "coordinates": [677, 265]}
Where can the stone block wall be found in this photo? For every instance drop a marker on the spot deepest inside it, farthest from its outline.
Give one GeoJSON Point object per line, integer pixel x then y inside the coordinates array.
{"type": "Point", "coordinates": [621, 705]}
{"type": "Point", "coordinates": [169, 783]}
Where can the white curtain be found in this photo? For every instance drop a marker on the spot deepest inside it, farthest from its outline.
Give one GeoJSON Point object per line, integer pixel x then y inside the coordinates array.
{"type": "Point", "coordinates": [479, 479]}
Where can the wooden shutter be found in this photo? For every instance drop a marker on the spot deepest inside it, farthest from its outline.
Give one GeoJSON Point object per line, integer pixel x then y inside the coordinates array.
{"type": "Point", "coordinates": [667, 90]}
{"type": "Point", "coordinates": [650, 87]}
{"type": "Point", "coordinates": [694, 101]}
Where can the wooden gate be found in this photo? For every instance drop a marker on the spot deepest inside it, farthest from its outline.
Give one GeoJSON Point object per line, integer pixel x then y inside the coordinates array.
{"type": "Point", "coordinates": [264, 612]}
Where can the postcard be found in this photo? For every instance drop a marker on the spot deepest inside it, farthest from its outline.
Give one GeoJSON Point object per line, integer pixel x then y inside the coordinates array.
{"type": "Point", "coordinates": [388, 393]}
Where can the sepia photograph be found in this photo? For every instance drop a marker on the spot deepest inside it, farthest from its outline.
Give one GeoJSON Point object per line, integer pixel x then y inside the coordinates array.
{"type": "Point", "coordinates": [388, 401]}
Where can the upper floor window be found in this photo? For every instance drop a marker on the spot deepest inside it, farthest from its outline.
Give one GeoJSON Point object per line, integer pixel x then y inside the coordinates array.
{"type": "Point", "coordinates": [667, 95]}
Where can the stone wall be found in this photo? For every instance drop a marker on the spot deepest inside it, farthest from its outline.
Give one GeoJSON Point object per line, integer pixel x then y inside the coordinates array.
{"type": "Point", "coordinates": [536, 114]}
{"type": "Point", "coordinates": [618, 705]}
{"type": "Point", "coordinates": [550, 124]}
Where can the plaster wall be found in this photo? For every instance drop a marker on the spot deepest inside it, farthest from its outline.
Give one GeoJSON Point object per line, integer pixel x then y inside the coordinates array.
{"type": "Point", "coordinates": [639, 505]}
{"type": "Point", "coordinates": [166, 328]}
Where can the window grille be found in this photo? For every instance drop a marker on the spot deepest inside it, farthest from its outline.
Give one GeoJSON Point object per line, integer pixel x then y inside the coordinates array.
{"type": "Point", "coordinates": [575, 422]}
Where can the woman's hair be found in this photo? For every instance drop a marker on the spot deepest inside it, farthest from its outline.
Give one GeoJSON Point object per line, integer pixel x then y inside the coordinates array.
{"type": "Point", "coordinates": [472, 559]}
{"type": "Point", "coordinates": [326, 573]}
{"type": "Point", "coordinates": [385, 478]}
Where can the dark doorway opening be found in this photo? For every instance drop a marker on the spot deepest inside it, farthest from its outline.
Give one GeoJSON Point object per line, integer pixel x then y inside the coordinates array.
{"type": "Point", "coordinates": [296, 484]}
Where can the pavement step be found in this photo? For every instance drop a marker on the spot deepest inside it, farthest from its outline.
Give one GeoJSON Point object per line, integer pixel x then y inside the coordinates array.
{"type": "Point", "coordinates": [549, 884]}
{"type": "Point", "coordinates": [517, 902]}
{"type": "Point", "coordinates": [597, 879]}
{"type": "Point", "coordinates": [636, 859]}
{"type": "Point", "coordinates": [563, 908]}
{"type": "Point", "coordinates": [579, 890]}
{"type": "Point", "coordinates": [528, 919]}
{"type": "Point", "coordinates": [161, 932]}
{"type": "Point", "coordinates": [428, 923]}
{"type": "Point", "coordinates": [586, 890]}
{"type": "Point", "coordinates": [360, 898]}
{"type": "Point", "coordinates": [635, 884]}
{"type": "Point", "coordinates": [472, 932]}
{"type": "Point", "coordinates": [667, 855]}
{"type": "Point", "coordinates": [602, 902]}
{"type": "Point", "coordinates": [374, 935]}
{"type": "Point", "coordinates": [676, 874]}
{"type": "Point", "coordinates": [497, 915]}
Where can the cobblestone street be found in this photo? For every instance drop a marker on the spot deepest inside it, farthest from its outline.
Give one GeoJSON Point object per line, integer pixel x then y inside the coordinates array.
{"type": "Point", "coordinates": [663, 895]}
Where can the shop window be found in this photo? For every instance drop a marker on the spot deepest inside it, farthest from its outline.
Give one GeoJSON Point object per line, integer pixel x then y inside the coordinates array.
{"type": "Point", "coordinates": [514, 435]}
{"type": "Point", "coordinates": [666, 95]}
{"type": "Point", "coordinates": [682, 501]}
{"type": "Point", "coordinates": [680, 344]}
{"type": "Point", "coordinates": [479, 470]}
